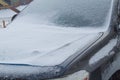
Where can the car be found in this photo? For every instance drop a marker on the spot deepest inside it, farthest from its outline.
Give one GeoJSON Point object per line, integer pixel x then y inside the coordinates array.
{"type": "Point", "coordinates": [62, 40]}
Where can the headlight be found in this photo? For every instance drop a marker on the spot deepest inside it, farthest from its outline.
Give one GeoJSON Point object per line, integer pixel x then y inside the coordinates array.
{"type": "Point", "coordinates": [81, 75]}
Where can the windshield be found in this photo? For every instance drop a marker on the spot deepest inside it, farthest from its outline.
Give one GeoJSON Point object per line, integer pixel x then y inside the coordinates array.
{"type": "Point", "coordinates": [69, 13]}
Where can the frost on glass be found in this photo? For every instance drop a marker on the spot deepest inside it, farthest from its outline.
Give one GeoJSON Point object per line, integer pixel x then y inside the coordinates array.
{"type": "Point", "coordinates": [72, 13]}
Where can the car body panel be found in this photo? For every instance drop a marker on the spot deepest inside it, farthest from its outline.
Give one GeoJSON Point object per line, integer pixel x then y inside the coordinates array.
{"type": "Point", "coordinates": [42, 46]}
{"type": "Point", "coordinates": [79, 60]}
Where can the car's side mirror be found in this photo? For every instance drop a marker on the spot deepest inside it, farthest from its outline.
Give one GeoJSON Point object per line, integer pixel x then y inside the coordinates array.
{"type": "Point", "coordinates": [13, 17]}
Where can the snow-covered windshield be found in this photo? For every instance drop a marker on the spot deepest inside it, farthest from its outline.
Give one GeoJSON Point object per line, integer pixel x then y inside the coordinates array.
{"type": "Point", "coordinates": [69, 13]}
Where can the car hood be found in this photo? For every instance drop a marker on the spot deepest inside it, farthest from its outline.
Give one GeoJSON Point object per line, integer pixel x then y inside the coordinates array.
{"type": "Point", "coordinates": [42, 45]}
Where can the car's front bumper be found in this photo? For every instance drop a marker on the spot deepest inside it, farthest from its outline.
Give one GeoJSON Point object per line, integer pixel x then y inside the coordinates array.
{"type": "Point", "coordinates": [28, 72]}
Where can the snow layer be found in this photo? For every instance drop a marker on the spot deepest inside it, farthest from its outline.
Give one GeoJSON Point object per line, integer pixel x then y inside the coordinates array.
{"type": "Point", "coordinates": [9, 13]}
{"type": "Point", "coordinates": [27, 72]}
{"type": "Point", "coordinates": [40, 44]}
{"type": "Point", "coordinates": [28, 41]}
{"type": "Point", "coordinates": [105, 51]}
{"type": "Point", "coordinates": [7, 21]}
{"type": "Point", "coordinates": [80, 75]}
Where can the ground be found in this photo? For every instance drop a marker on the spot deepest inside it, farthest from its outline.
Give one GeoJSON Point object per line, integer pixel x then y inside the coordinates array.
{"type": "Point", "coordinates": [6, 15]}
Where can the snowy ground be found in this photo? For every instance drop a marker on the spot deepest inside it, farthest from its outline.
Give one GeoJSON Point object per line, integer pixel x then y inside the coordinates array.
{"type": "Point", "coordinates": [9, 13]}
{"type": "Point", "coordinates": [6, 15]}
{"type": "Point", "coordinates": [7, 21]}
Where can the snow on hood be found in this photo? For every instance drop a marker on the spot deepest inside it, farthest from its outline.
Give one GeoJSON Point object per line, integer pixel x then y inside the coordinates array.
{"type": "Point", "coordinates": [27, 41]}
{"type": "Point", "coordinates": [40, 44]}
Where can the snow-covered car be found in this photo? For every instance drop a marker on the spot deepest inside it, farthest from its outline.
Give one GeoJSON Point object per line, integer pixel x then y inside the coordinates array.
{"type": "Point", "coordinates": [62, 40]}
